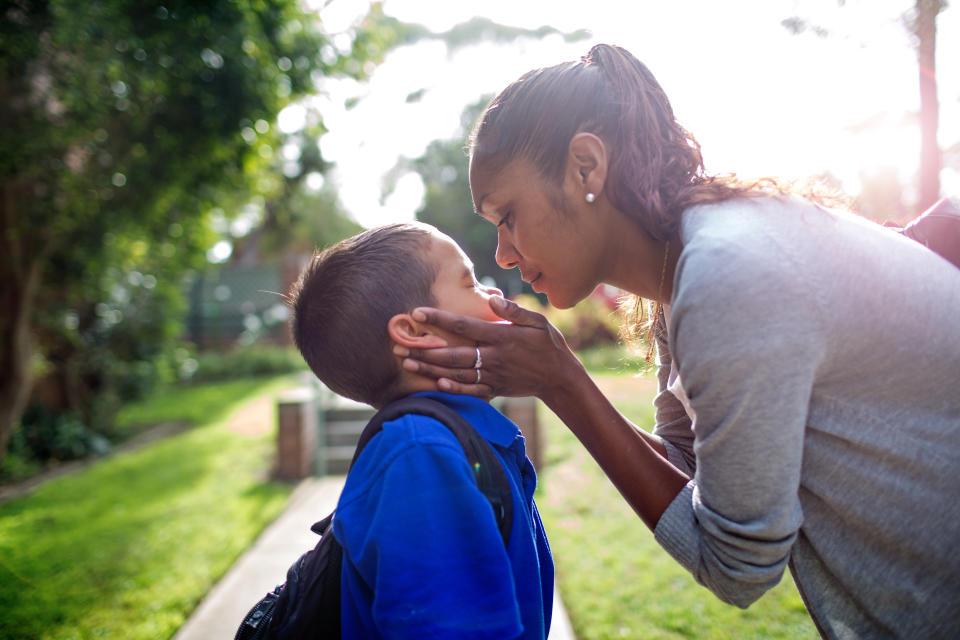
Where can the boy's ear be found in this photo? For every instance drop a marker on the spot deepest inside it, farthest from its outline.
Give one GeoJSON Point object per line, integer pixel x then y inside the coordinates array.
{"type": "Point", "coordinates": [406, 331]}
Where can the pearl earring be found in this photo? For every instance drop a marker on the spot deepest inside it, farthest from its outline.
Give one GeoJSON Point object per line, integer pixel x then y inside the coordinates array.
{"type": "Point", "coordinates": [591, 197]}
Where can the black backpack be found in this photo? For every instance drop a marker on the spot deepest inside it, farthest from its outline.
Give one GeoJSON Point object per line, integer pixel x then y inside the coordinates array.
{"type": "Point", "coordinates": [307, 605]}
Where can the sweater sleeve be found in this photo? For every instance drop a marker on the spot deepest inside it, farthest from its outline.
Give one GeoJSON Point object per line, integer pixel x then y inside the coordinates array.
{"type": "Point", "coordinates": [747, 355]}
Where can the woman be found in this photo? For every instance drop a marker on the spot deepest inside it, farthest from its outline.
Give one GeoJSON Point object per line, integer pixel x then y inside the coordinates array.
{"type": "Point", "coordinates": [809, 407]}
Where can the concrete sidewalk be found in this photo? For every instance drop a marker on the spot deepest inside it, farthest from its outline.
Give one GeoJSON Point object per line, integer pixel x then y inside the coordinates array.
{"type": "Point", "coordinates": [265, 565]}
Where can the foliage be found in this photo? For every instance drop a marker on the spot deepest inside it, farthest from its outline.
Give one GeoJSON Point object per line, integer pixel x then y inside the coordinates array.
{"type": "Point", "coordinates": [113, 344]}
{"type": "Point", "coordinates": [45, 438]}
{"type": "Point", "coordinates": [103, 354]}
{"type": "Point", "coordinates": [294, 212]}
{"type": "Point", "coordinates": [920, 21]}
{"type": "Point", "coordinates": [588, 324]}
{"type": "Point", "coordinates": [447, 203]}
{"type": "Point", "coordinates": [46, 435]}
{"type": "Point", "coordinates": [245, 362]}
{"type": "Point", "coordinates": [295, 220]}
{"type": "Point", "coordinates": [18, 464]}
{"type": "Point", "coordinates": [126, 125]}
{"type": "Point", "coordinates": [612, 360]}
{"type": "Point", "coordinates": [289, 217]}
{"type": "Point", "coordinates": [126, 548]}
{"type": "Point", "coordinates": [483, 28]}
{"type": "Point", "coordinates": [615, 579]}
{"type": "Point", "coordinates": [443, 167]}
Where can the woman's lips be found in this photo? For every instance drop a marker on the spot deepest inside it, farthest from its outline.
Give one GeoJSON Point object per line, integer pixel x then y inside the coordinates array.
{"type": "Point", "coordinates": [533, 283]}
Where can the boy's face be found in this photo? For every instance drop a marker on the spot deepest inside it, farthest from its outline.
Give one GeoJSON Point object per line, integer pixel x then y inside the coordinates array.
{"type": "Point", "coordinates": [456, 288]}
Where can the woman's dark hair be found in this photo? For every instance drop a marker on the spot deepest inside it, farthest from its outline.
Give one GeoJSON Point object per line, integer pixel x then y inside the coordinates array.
{"type": "Point", "coordinates": [344, 299]}
{"type": "Point", "coordinates": [655, 166]}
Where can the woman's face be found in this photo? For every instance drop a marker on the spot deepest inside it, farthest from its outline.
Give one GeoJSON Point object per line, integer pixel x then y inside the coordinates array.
{"type": "Point", "coordinates": [540, 231]}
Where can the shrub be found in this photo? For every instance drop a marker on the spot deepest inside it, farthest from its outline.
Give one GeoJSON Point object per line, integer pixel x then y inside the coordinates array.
{"type": "Point", "coordinates": [589, 324]}
{"type": "Point", "coordinates": [613, 359]}
{"type": "Point", "coordinates": [45, 435]}
{"type": "Point", "coordinates": [241, 362]}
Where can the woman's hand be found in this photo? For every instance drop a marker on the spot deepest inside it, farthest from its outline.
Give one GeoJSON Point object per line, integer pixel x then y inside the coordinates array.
{"type": "Point", "coordinates": [530, 358]}
{"type": "Point", "coordinates": [526, 358]}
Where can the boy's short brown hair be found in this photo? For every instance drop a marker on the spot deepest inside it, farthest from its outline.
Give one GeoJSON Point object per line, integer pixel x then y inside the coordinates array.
{"type": "Point", "coordinates": [344, 299]}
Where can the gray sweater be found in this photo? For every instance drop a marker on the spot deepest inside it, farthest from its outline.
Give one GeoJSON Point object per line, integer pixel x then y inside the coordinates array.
{"type": "Point", "coordinates": [819, 354]}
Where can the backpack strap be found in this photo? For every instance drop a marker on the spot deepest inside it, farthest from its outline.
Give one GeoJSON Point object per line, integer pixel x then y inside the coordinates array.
{"type": "Point", "coordinates": [938, 228]}
{"type": "Point", "coordinates": [488, 470]}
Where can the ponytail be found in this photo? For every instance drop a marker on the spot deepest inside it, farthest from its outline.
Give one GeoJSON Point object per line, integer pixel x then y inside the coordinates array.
{"type": "Point", "coordinates": [655, 158]}
{"type": "Point", "coordinates": [656, 168]}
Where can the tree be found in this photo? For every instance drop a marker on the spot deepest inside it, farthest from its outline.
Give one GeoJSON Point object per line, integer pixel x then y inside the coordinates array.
{"type": "Point", "coordinates": [294, 218]}
{"type": "Point", "coordinates": [442, 167]}
{"type": "Point", "coordinates": [924, 27]}
{"type": "Point", "coordinates": [124, 124]}
{"type": "Point", "coordinates": [921, 22]}
{"type": "Point", "coordinates": [447, 203]}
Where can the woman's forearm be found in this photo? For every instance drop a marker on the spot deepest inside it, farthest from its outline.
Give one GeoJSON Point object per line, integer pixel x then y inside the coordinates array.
{"type": "Point", "coordinates": [529, 356]}
{"type": "Point", "coordinates": [634, 460]}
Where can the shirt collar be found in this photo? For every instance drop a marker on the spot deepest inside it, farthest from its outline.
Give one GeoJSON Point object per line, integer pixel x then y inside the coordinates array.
{"type": "Point", "coordinates": [489, 423]}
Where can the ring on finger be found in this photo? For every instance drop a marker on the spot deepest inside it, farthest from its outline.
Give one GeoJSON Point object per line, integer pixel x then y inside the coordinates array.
{"type": "Point", "coordinates": [479, 361]}
{"type": "Point", "coordinates": [478, 377]}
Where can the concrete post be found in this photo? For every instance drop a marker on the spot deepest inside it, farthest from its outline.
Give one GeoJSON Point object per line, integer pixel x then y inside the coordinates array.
{"type": "Point", "coordinates": [523, 413]}
{"type": "Point", "coordinates": [296, 433]}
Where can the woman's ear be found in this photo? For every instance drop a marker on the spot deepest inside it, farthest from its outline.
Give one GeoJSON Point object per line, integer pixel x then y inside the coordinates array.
{"type": "Point", "coordinates": [586, 165]}
{"type": "Point", "coordinates": [407, 332]}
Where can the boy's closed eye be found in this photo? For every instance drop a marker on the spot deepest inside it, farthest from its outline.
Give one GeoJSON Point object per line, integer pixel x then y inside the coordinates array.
{"type": "Point", "coordinates": [470, 281]}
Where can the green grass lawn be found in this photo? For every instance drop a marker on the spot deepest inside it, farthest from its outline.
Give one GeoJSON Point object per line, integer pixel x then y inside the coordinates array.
{"type": "Point", "coordinates": [128, 547]}
{"type": "Point", "coordinates": [615, 580]}
{"type": "Point", "coordinates": [196, 404]}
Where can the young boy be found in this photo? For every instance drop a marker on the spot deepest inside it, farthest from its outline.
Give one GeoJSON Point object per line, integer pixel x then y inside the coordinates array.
{"type": "Point", "coordinates": [423, 556]}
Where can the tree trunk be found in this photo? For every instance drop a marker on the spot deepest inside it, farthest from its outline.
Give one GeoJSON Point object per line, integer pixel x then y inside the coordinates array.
{"type": "Point", "coordinates": [17, 350]}
{"type": "Point", "coordinates": [19, 281]}
{"type": "Point", "coordinates": [925, 29]}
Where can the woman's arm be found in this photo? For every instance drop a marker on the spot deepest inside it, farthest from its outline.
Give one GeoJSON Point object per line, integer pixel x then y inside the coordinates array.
{"type": "Point", "coordinates": [530, 357]}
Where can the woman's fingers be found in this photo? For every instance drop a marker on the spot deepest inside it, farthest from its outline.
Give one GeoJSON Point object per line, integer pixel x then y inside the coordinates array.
{"type": "Point", "coordinates": [447, 359]}
{"type": "Point", "coordinates": [525, 356]}
{"type": "Point", "coordinates": [451, 386]}
{"type": "Point", "coordinates": [522, 317]}
{"type": "Point", "coordinates": [474, 329]}
{"type": "Point", "coordinates": [510, 310]}
{"type": "Point", "coordinates": [453, 379]}
{"type": "Point", "coordinates": [482, 331]}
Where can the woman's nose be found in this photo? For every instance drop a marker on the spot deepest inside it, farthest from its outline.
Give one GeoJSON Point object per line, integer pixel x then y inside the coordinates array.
{"type": "Point", "coordinates": [506, 255]}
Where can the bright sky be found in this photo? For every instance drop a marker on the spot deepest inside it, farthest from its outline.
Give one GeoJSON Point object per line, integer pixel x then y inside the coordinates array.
{"type": "Point", "coordinates": [760, 100]}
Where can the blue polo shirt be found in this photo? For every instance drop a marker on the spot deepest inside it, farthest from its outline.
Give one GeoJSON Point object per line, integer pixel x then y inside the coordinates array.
{"type": "Point", "coordinates": [423, 557]}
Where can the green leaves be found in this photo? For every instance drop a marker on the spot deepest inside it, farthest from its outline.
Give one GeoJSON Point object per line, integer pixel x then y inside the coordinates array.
{"type": "Point", "coordinates": [125, 123]}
